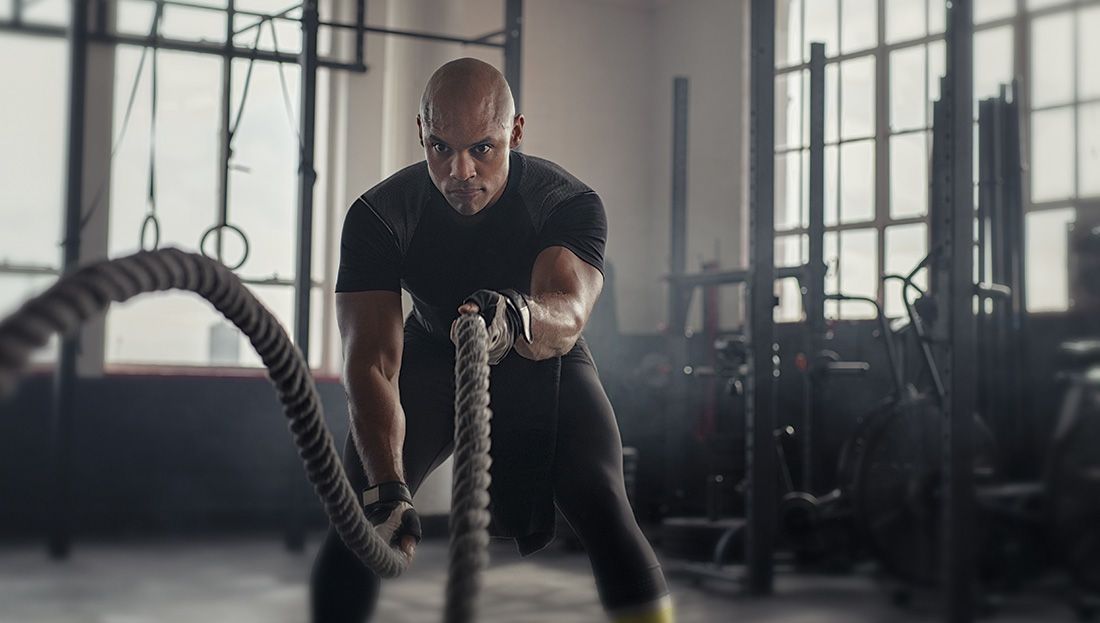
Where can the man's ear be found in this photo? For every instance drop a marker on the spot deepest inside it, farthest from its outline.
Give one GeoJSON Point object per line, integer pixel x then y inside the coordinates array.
{"type": "Point", "coordinates": [419, 131]}
{"type": "Point", "coordinates": [517, 132]}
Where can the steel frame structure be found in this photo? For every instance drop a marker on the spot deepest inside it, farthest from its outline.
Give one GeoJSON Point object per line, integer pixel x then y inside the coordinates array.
{"type": "Point", "coordinates": [81, 31]}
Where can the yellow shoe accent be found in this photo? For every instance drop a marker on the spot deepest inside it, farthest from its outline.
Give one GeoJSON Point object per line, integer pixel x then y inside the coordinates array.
{"type": "Point", "coordinates": [657, 612]}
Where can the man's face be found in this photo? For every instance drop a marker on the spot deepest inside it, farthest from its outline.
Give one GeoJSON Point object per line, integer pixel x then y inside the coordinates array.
{"type": "Point", "coordinates": [467, 149]}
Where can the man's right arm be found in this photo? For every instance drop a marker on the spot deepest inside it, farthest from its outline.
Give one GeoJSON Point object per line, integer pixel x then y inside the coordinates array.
{"type": "Point", "coordinates": [371, 329]}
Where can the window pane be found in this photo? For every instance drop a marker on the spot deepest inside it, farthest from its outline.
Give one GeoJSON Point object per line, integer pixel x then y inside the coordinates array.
{"type": "Point", "coordinates": [908, 175]}
{"type": "Point", "coordinates": [1088, 145]}
{"type": "Point", "coordinates": [937, 67]}
{"type": "Point", "coordinates": [858, 98]}
{"type": "Point", "coordinates": [135, 17]}
{"type": "Point", "coordinates": [992, 62]}
{"type": "Point", "coordinates": [186, 151]}
{"type": "Point", "coordinates": [33, 130]}
{"type": "Point", "coordinates": [937, 16]}
{"type": "Point", "coordinates": [5, 9]}
{"type": "Point", "coordinates": [1039, 4]}
{"type": "Point", "coordinates": [832, 104]}
{"type": "Point", "coordinates": [788, 186]}
{"type": "Point", "coordinates": [788, 250]}
{"type": "Point", "coordinates": [1052, 60]}
{"type": "Point", "coordinates": [788, 41]}
{"type": "Point", "coordinates": [54, 12]}
{"type": "Point", "coordinates": [906, 246]}
{"type": "Point", "coordinates": [1052, 154]}
{"type": "Point", "coordinates": [858, 270]}
{"type": "Point", "coordinates": [16, 290]}
{"type": "Point", "coordinates": [788, 110]}
{"type": "Point", "coordinates": [832, 272]}
{"type": "Point", "coordinates": [904, 20]}
{"type": "Point", "coordinates": [1046, 263]}
{"type": "Point", "coordinates": [831, 187]}
{"type": "Point", "coordinates": [821, 25]}
{"type": "Point", "coordinates": [1088, 54]}
{"type": "Point", "coordinates": [186, 23]}
{"type": "Point", "coordinates": [287, 37]}
{"type": "Point", "coordinates": [860, 25]}
{"type": "Point", "coordinates": [989, 10]}
{"type": "Point", "coordinates": [173, 328]}
{"type": "Point", "coordinates": [907, 98]}
{"type": "Point", "coordinates": [263, 195]}
{"type": "Point", "coordinates": [857, 184]}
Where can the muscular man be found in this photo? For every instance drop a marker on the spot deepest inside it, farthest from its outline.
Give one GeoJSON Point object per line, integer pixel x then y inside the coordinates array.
{"type": "Point", "coordinates": [480, 228]}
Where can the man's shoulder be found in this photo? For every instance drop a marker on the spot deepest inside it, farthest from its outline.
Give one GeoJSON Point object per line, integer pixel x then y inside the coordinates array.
{"type": "Point", "coordinates": [548, 183]}
{"type": "Point", "coordinates": [398, 200]}
{"type": "Point", "coordinates": [409, 184]}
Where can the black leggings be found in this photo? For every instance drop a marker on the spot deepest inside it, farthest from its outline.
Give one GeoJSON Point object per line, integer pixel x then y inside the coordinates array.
{"type": "Point", "coordinates": [587, 480]}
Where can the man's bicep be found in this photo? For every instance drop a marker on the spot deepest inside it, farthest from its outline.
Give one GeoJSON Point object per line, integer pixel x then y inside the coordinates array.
{"type": "Point", "coordinates": [559, 271]}
{"type": "Point", "coordinates": [370, 325]}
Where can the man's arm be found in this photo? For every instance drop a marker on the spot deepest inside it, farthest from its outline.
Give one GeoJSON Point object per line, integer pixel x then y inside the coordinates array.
{"type": "Point", "coordinates": [371, 330]}
{"type": "Point", "coordinates": [563, 290]}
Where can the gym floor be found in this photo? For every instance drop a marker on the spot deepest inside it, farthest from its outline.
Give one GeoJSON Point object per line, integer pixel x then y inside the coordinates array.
{"type": "Point", "coordinates": [254, 580]}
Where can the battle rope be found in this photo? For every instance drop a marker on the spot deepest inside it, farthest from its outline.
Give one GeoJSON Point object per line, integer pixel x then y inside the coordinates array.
{"type": "Point", "coordinates": [88, 291]}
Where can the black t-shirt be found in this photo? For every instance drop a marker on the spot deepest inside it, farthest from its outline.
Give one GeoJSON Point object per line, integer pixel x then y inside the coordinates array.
{"type": "Point", "coordinates": [403, 234]}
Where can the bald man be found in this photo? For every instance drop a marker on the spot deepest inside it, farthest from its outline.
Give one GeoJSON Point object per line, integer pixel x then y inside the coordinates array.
{"type": "Point", "coordinates": [480, 228]}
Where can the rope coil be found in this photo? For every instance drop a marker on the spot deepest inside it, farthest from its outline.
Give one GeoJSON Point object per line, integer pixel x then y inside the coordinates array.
{"type": "Point", "coordinates": [87, 292]}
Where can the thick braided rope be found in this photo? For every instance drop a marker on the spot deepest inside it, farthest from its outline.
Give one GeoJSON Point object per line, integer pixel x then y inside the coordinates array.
{"type": "Point", "coordinates": [88, 291]}
{"type": "Point", "coordinates": [470, 500]}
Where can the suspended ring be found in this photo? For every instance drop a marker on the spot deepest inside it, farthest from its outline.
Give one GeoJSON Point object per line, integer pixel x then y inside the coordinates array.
{"type": "Point", "coordinates": [215, 256]}
{"type": "Point", "coordinates": [150, 218]}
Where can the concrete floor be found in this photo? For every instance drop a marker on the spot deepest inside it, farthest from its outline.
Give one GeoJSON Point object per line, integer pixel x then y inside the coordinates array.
{"type": "Point", "coordinates": [257, 580]}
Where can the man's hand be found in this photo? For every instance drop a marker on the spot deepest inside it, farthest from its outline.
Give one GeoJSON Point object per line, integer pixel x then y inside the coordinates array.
{"type": "Point", "coordinates": [389, 508]}
{"type": "Point", "coordinates": [506, 318]}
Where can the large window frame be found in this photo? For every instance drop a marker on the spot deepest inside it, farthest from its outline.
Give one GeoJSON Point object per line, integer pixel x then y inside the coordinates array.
{"type": "Point", "coordinates": [791, 232]}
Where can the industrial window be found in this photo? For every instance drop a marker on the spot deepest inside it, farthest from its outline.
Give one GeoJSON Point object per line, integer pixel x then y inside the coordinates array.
{"type": "Point", "coordinates": [885, 58]}
{"type": "Point", "coordinates": [178, 328]}
{"type": "Point", "coordinates": [33, 130]}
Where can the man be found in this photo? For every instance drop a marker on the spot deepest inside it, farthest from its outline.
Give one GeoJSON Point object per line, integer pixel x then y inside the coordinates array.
{"type": "Point", "coordinates": [480, 228]}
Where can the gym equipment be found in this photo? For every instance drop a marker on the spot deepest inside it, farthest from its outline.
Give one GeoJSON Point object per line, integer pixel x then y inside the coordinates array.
{"type": "Point", "coordinates": [1073, 475]}
{"type": "Point", "coordinates": [87, 292]}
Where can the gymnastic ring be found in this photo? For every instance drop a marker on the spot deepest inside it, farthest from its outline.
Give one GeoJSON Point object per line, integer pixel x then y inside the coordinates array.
{"type": "Point", "coordinates": [214, 228]}
{"type": "Point", "coordinates": [150, 218]}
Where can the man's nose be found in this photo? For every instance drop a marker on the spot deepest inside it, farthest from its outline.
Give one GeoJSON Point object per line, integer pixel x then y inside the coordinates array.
{"type": "Point", "coordinates": [462, 167]}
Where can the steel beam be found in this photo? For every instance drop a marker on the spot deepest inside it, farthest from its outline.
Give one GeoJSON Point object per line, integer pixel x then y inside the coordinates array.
{"type": "Point", "coordinates": [65, 379]}
{"type": "Point", "coordinates": [760, 459]}
{"type": "Point", "coordinates": [959, 495]}
{"type": "Point", "coordinates": [513, 49]}
{"type": "Point", "coordinates": [813, 287]}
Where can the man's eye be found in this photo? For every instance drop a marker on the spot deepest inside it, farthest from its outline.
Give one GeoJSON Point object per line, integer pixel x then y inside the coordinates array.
{"type": "Point", "coordinates": [439, 147]}
{"type": "Point", "coordinates": [483, 149]}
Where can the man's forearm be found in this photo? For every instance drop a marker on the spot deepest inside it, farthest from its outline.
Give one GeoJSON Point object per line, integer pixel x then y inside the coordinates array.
{"type": "Point", "coordinates": [556, 323]}
{"type": "Point", "coordinates": [377, 424]}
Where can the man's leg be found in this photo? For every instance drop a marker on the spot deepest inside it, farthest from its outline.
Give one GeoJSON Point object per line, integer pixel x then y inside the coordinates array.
{"type": "Point", "coordinates": [590, 492]}
{"type": "Point", "coordinates": [342, 589]}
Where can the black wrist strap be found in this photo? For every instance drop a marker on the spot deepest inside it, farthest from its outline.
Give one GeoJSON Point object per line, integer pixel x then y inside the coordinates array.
{"type": "Point", "coordinates": [395, 491]}
{"type": "Point", "coordinates": [520, 303]}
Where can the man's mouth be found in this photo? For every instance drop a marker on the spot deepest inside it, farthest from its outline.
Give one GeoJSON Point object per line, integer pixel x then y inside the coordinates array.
{"type": "Point", "coordinates": [465, 192]}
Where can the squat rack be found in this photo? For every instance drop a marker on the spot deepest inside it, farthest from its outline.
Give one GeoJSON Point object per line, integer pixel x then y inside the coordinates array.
{"type": "Point", "coordinates": [82, 30]}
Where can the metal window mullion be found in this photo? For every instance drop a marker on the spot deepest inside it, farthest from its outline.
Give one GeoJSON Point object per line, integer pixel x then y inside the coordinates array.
{"type": "Point", "coordinates": [883, 129]}
{"type": "Point", "coordinates": [1075, 63]}
{"type": "Point", "coordinates": [1022, 60]}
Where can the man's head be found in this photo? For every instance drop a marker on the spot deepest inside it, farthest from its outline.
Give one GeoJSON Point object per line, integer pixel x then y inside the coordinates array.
{"type": "Point", "coordinates": [468, 126]}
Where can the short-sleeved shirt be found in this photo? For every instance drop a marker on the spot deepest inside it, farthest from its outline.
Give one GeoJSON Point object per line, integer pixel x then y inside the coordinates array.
{"type": "Point", "coordinates": [403, 234]}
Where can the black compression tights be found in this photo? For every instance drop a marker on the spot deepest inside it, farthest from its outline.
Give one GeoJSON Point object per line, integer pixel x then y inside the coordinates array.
{"type": "Point", "coordinates": [588, 488]}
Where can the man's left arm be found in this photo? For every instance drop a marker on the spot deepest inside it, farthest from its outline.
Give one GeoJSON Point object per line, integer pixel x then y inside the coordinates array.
{"type": "Point", "coordinates": [563, 290]}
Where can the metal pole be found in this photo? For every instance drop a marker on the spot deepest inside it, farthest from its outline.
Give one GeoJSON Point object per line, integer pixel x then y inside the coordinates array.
{"type": "Point", "coordinates": [513, 49]}
{"type": "Point", "coordinates": [678, 224]}
{"type": "Point", "coordinates": [959, 498]}
{"type": "Point", "coordinates": [65, 380]}
{"type": "Point", "coordinates": [226, 134]}
{"type": "Point", "coordinates": [307, 178]}
{"type": "Point", "coordinates": [760, 459]}
{"type": "Point", "coordinates": [679, 297]}
{"type": "Point", "coordinates": [813, 289]}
